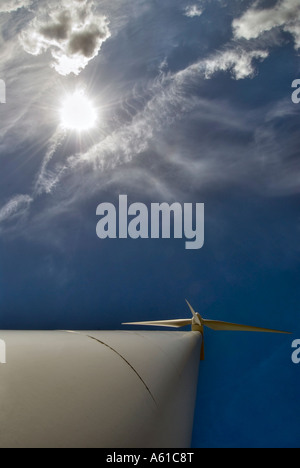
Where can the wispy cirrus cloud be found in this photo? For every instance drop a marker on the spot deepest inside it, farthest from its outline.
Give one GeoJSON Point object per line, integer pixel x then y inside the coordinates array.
{"type": "Point", "coordinates": [73, 33]}
{"type": "Point", "coordinates": [15, 207]}
{"type": "Point", "coordinates": [46, 179]}
{"type": "Point", "coordinates": [167, 104]}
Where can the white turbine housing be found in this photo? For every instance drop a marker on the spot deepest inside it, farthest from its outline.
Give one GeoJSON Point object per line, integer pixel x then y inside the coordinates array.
{"type": "Point", "coordinates": [98, 389]}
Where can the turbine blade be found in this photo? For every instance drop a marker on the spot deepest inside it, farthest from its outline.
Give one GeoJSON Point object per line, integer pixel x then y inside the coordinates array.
{"type": "Point", "coordinates": [196, 318]}
{"type": "Point", "coordinates": [163, 323]}
{"type": "Point", "coordinates": [191, 309]}
{"type": "Point", "coordinates": [217, 325]}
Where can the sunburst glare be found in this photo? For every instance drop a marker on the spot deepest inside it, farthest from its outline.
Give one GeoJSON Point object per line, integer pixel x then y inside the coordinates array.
{"type": "Point", "coordinates": [78, 113]}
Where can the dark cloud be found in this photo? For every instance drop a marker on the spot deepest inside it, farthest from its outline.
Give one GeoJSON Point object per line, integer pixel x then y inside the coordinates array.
{"type": "Point", "coordinates": [86, 42]}
{"type": "Point", "coordinates": [58, 30]}
{"type": "Point", "coordinates": [74, 34]}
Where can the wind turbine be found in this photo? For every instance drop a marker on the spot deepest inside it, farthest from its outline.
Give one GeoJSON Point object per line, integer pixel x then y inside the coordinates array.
{"type": "Point", "coordinates": [198, 324]}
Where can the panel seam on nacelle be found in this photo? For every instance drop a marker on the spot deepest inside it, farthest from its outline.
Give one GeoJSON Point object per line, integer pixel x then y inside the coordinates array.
{"type": "Point", "coordinates": [127, 362]}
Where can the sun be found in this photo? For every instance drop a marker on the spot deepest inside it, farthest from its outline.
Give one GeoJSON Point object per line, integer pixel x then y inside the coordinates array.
{"type": "Point", "coordinates": [78, 113]}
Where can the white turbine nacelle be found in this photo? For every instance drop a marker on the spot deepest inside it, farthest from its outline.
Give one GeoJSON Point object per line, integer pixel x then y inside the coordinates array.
{"type": "Point", "coordinates": [98, 389]}
{"type": "Point", "coordinates": [2, 352]}
{"type": "Point", "coordinates": [102, 389]}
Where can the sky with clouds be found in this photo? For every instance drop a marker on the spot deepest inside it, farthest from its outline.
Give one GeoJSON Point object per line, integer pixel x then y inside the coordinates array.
{"type": "Point", "coordinates": [194, 105]}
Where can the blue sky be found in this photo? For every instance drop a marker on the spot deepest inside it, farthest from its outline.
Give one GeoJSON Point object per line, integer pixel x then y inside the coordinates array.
{"type": "Point", "coordinates": [194, 104]}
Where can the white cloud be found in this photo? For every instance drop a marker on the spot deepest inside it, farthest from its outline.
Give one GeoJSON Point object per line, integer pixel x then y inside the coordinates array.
{"type": "Point", "coordinates": [193, 11]}
{"type": "Point", "coordinates": [46, 179]}
{"type": "Point", "coordinates": [239, 62]}
{"type": "Point", "coordinates": [255, 22]}
{"type": "Point", "coordinates": [15, 207]}
{"type": "Point", "coordinates": [72, 32]}
{"type": "Point", "coordinates": [13, 5]}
